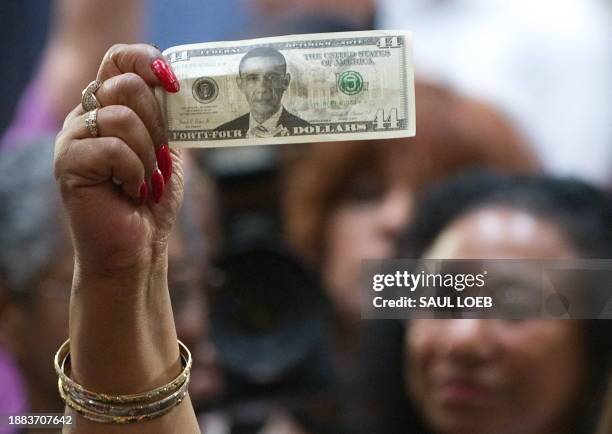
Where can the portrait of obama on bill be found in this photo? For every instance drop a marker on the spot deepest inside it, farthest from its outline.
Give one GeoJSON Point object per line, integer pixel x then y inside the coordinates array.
{"type": "Point", "coordinates": [263, 79]}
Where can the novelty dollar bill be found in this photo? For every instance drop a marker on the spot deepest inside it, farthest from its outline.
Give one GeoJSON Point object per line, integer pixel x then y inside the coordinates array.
{"type": "Point", "coordinates": [292, 89]}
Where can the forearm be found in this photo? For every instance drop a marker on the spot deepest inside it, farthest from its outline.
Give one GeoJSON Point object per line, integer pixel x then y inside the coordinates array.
{"type": "Point", "coordinates": [123, 341]}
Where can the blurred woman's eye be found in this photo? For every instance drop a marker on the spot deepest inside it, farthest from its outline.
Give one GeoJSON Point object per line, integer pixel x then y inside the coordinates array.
{"type": "Point", "coordinates": [517, 297]}
{"type": "Point", "coordinates": [365, 191]}
{"type": "Point", "coordinates": [365, 195]}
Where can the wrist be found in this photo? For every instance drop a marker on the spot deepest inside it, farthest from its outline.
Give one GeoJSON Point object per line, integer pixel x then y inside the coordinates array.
{"type": "Point", "coordinates": [121, 327]}
{"type": "Point", "coordinates": [142, 270]}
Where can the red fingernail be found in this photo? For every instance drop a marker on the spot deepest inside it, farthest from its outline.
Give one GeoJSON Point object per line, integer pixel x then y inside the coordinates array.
{"type": "Point", "coordinates": [165, 74]}
{"type": "Point", "coordinates": [143, 192]}
{"type": "Point", "coordinates": [164, 161]}
{"type": "Point", "coordinates": [157, 183]}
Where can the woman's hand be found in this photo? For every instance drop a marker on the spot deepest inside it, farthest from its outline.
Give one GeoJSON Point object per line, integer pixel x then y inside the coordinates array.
{"type": "Point", "coordinates": [121, 229]}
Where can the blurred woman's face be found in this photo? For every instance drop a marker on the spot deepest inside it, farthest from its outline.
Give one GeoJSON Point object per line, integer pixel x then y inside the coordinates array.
{"type": "Point", "coordinates": [475, 376]}
{"type": "Point", "coordinates": [365, 225]}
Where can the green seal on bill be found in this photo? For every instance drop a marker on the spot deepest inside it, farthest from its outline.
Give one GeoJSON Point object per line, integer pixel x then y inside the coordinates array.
{"type": "Point", "coordinates": [350, 82]}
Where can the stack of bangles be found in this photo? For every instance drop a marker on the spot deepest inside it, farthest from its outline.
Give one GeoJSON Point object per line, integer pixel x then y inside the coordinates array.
{"type": "Point", "coordinates": [121, 409]}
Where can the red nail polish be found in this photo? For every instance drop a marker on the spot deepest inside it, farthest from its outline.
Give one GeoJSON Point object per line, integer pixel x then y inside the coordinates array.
{"type": "Point", "coordinates": [164, 161]}
{"type": "Point", "coordinates": [164, 72]}
{"type": "Point", "coordinates": [157, 183]}
{"type": "Point", "coordinates": [143, 192]}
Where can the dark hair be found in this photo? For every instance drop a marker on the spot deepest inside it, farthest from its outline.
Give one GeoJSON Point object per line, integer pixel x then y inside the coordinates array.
{"type": "Point", "coordinates": [269, 52]}
{"type": "Point", "coordinates": [30, 215]}
{"type": "Point", "coordinates": [581, 212]}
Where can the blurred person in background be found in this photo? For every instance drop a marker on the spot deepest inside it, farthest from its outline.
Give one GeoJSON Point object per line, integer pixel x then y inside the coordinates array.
{"type": "Point", "coordinates": [176, 22]}
{"type": "Point", "coordinates": [547, 64]}
{"type": "Point", "coordinates": [357, 14]}
{"type": "Point", "coordinates": [36, 270]}
{"type": "Point", "coordinates": [482, 376]}
{"type": "Point", "coordinates": [350, 201]}
{"type": "Point", "coordinates": [80, 33]}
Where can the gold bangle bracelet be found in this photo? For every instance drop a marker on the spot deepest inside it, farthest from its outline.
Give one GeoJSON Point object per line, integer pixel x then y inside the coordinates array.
{"type": "Point", "coordinates": [62, 359]}
{"type": "Point", "coordinates": [134, 409]}
{"type": "Point", "coordinates": [107, 418]}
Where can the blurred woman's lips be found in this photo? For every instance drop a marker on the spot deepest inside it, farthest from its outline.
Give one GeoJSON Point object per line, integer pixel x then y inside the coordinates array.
{"type": "Point", "coordinates": [465, 392]}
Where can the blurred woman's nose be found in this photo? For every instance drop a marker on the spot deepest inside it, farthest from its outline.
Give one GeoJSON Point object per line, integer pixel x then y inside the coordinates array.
{"type": "Point", "coordinates": [469, 341]}
{"type": "Point", "coordinates": [394, 211]}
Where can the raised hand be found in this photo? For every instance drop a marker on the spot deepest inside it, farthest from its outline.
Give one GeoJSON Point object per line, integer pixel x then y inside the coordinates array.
{"type": "Point", "coordinates": [118, 227]}
{"type": "Point", "coordinates": [122, 188]}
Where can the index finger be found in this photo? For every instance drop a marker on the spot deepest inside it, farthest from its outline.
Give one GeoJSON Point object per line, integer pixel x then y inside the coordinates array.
{"type": "Point", "coordinates": [142, 59]}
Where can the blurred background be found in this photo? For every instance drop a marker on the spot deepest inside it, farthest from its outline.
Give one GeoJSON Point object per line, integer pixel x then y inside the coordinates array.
{"type": "Point", "coordinates": [265, 261]}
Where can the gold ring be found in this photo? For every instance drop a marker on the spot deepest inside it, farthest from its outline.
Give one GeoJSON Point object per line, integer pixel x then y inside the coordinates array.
{"type": "Point", "coordinates": [91, 122]}
{"type": "Point", "coordinates": [88, 97]}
